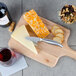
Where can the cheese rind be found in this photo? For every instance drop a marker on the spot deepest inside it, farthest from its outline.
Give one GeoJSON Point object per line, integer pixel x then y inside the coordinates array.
{"type": "Point", "coordinates": [19, 35]}
{"type": "Point", "coordinates": [36, 24]}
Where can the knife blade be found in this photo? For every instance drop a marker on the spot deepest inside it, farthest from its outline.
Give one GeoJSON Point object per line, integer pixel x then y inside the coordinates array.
{"type": "Point", "coordinates": [36, 40]}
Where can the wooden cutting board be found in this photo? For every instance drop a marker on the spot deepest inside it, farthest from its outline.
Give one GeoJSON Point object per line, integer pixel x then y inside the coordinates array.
{"type": "Point", "coordinates": [48, 55]}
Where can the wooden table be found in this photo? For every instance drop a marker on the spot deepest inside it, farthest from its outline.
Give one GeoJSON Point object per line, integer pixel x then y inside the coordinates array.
{"type": "Point", "coordinates": [48, 9]}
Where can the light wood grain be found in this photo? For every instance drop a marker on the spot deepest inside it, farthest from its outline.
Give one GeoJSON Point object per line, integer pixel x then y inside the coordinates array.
{"type": "Point", "coordinates": [48, 55]}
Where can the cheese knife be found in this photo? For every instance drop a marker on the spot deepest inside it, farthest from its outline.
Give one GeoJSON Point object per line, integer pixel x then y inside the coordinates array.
{"type": "Point", "coordinates": [36, 40]}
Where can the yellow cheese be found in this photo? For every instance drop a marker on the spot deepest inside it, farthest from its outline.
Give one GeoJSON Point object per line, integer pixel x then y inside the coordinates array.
{"type": "Point", "coordinates": [20, 34]}
{"type": "Point", "coordinates": [36, 24]}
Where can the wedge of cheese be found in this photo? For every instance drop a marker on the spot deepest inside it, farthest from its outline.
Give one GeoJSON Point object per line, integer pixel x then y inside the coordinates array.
{"type": "Point", "coordinates": [20, 34]}
{"type": "Point", "coordinates": [36, 24]}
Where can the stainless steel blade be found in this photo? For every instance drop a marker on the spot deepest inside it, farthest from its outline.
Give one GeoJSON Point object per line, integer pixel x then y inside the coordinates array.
{"type": "Point", "coordinates": [34, 39]}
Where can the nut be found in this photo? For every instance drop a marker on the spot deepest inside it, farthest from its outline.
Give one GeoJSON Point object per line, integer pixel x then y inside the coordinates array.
{"type": "Point", "coordinates": [68, 14]}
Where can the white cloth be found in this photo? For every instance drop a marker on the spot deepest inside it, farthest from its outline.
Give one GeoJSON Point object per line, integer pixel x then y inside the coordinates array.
{"type": "Point", "coordinates": [19, 65]}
